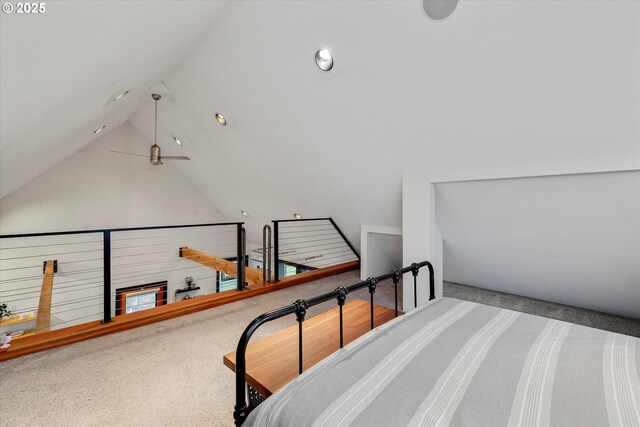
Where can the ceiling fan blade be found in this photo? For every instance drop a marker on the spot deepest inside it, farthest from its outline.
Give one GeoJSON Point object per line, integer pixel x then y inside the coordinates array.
{"type": "Point", "coordinates": [130, 154]}
{"type": "Point", "coordinates": [175, 157]}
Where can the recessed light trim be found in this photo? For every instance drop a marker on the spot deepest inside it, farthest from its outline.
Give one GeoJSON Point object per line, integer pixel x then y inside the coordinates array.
{"type": "Point", "coordinates": [99, 129]}
{"type": "Point", "coordinates": [220, 118]}
{"type": "Point", "coordinates": [120, 96]}
{"type": "Point", "coordinates": [244, 213]}
{"type": "Point", "coordinates": [439, 10]}
{"type": "Point", "coordinates": [297, 216]}
{"type": "Point", "coordinates": [324, 60]}
{"type": "Point", "coordinates": [177, 141]}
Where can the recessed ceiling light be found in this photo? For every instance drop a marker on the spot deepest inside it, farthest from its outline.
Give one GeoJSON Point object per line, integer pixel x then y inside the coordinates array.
{"type": "Point", "coordinates": [99, 129]}
{"type": "Point", "coordinates": [122, 95]}
{"type": "Point", "coordinates": [244, 213]}
{"type": "Point", "coordinates": [220, 118]}
{"type": "Point", "coordinates": [297, 216]}
{"type": "Point", "coordinates": [324, 60]}
{"type": "Point", "coordinates": [439, 9]}
{"type": "Point", "coordinates": [177, 141]}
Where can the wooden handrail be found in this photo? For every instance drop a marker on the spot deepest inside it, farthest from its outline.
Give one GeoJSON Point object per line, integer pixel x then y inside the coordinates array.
{"type": "Point", "coordinates": [43, 320]}
{"type": "Point", "coordinates": [252, 276]}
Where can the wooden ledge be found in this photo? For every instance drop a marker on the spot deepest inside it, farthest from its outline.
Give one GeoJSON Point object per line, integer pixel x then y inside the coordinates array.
{"type": "Point", "coordinates": [52, 339]}
{"type": "Point", "coordinates": [272, 361]}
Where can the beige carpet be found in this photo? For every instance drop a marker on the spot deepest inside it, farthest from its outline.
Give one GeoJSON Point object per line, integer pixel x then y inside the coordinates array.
{"type": "Point", "coordinates": [171, 373]}
{"type": "Point", "coordinates": [580, 316]}
{"type": "Point", "coordinates": [168, 373]}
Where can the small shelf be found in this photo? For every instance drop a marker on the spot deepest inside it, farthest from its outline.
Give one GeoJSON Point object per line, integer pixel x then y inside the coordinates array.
{"type": "Point", "coordinates": [182, 291]}
{"type": "Point", "coordinates": [16, 320]}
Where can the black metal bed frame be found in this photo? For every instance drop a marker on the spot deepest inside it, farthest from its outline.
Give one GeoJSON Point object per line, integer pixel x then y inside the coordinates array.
{"type": "Point", "coordinates": [299, 308]}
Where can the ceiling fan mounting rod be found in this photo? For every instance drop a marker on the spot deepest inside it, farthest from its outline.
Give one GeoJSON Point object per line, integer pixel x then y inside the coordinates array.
{"type": "Point", "coordinates": [156, 97]}
{"type": "Point", "coordinates": [154, 153]}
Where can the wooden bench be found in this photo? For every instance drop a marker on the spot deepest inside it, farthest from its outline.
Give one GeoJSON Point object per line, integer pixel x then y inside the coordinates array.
{"type": "Point", "coordinates": [272, 361]}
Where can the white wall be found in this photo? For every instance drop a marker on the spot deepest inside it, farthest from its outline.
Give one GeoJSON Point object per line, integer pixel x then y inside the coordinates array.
{"type": "Point", "coordinates": [381, 249]}
{"type": "Point", "coordinates": [520, 88]}
{"type": "Point", "coordinates": [96, 189]}
{"type": "Point", "coordinates": [91, 51]}
{"type": "Point", "coordinates": [421, 238]}
{"type": "Point", "coordinates": [560, 101]}
{"type": "Point", "coordinates": [385, 253]}
{"type": "Point", "coordinates": [569, 239]}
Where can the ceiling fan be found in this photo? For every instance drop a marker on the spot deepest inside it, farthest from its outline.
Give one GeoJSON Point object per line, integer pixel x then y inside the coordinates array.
{"type": "Point", "coordinates": [154, 153]}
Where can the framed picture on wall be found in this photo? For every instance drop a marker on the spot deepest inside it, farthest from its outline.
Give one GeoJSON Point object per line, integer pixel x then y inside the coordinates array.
{"type": "Point", "coordinates": [142, 297]}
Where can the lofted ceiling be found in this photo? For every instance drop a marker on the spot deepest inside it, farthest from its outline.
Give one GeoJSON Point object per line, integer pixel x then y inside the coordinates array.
{"type": "Point", "coordinates": [517, 84]}
{"type": "Point", "coordinates": [526, 84]}
{"type": "Point", "coordinates": [60, 71]}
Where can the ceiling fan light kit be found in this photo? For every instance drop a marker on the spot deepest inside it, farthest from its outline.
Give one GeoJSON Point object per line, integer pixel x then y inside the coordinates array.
{"type": "Point", "coordinates": [155, 156]}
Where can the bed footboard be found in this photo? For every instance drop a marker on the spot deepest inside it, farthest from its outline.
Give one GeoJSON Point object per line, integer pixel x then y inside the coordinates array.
{"type": "Point", "coordinates": [299, 308]}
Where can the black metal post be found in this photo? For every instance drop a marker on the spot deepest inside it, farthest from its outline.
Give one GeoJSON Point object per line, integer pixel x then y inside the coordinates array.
{"type": "Point", "coordinates": [266, 253]}
{"type": "Point", "coordinates": [299, 347]}
{"type": "Point", "coordinates": [342, 296]}
{"type": "Point", "coordinates": [276, 253]}
{"type": "Point", "coordinates": [341, 329]}
{"type": "Point", "coordinates": [432, 281]}
{"type": "Point", "coordinates": [414, 270]}
{"type": "Point", "coordinates": [240, 256]}
{"type": "Point", "coordinates": [106, 266]}
{"type": "Point", "coordinates": [301, 312]}
{"type": "Point", "coordinates": [396, 280]}
{"type": "Point", "coordinates": [372, 290]}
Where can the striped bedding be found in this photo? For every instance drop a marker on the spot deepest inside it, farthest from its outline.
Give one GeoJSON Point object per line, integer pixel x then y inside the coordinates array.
{"type": "Point", "coordinates": [459, 363]}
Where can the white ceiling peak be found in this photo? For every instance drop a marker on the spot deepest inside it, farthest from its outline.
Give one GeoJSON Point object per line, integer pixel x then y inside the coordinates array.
{"type": "Point", "coordinates": [485, 89]}
{"type": "Point", "coordinates": [61, 70]}
{"type": "Point", "coordinates": [160, 88]}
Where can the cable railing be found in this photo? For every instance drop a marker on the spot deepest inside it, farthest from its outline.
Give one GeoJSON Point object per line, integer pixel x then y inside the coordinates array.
{"type": "Point", "coordinates": [301, 245]}
{"type": "Point", "coordinates": [54, 280]}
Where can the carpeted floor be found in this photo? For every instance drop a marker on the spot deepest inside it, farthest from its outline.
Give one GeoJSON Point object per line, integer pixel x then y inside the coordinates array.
{"type": "Point", "coordinates": [580, 316]}
{"type": "Point", "coordinates": [171, 373]}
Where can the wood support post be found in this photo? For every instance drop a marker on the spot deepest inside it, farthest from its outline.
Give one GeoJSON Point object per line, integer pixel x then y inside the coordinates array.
{"type": "Point", "coordinates": [43, 320]}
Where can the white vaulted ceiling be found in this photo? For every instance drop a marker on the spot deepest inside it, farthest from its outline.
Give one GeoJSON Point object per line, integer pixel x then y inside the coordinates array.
{"type": "Point", "coordinates": [60, 71]}
{"type": "Point", "coordinates": [523, 87]}
{"type": "Point", "coordinates": [519, 85]}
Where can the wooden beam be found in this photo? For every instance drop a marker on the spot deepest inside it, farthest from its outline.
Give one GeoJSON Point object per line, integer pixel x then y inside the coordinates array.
{"type": "Point", "coordinates": [252, 276]}
{"type": "Point", "coordinates": [43, 320]}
